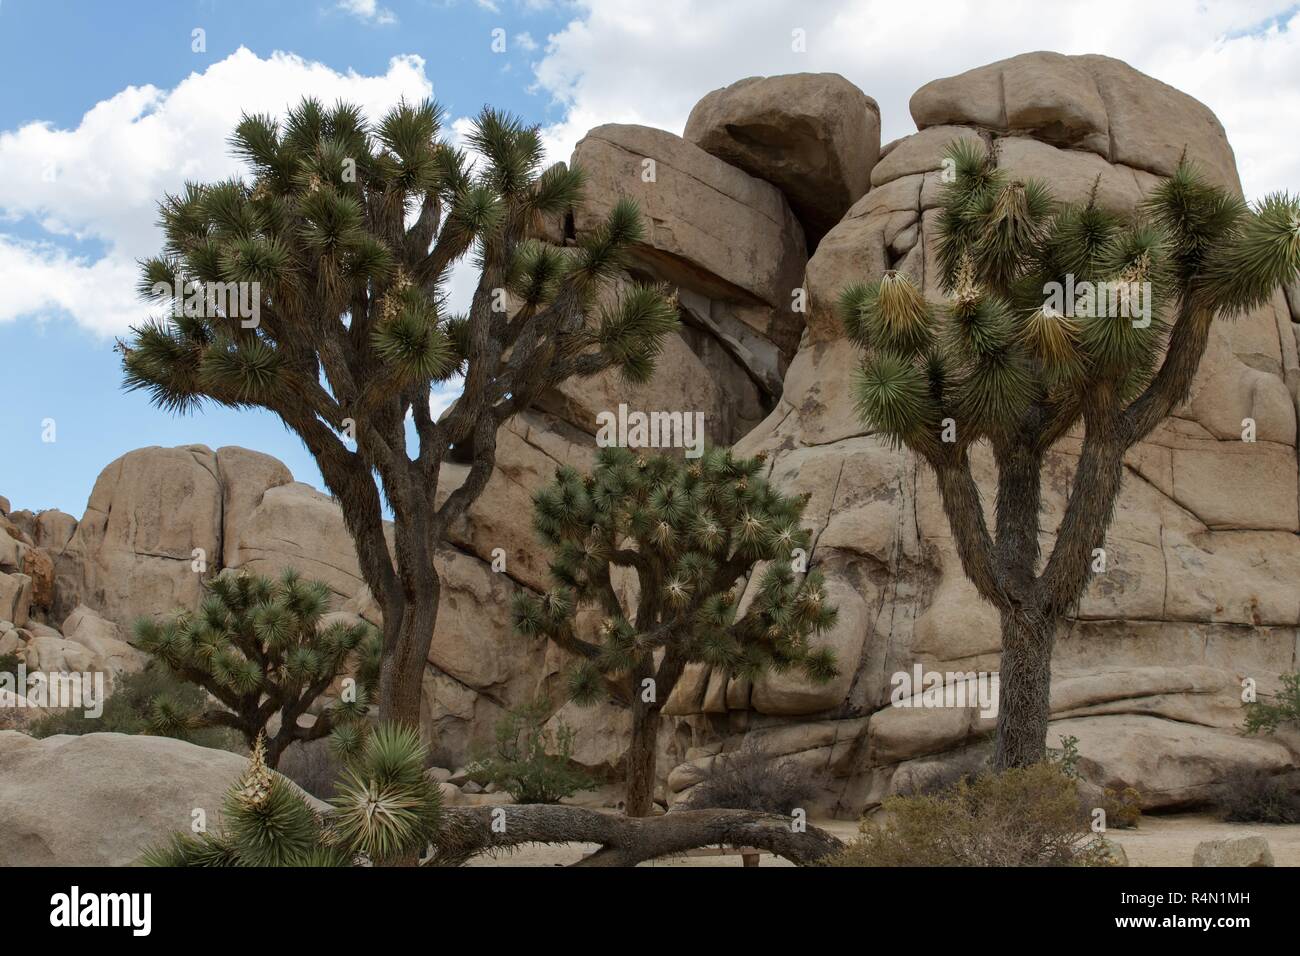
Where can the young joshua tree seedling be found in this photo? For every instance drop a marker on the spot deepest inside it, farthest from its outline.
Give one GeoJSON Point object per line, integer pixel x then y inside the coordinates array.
{"type": "Point", "coordinates": [1006, 360]}
{"type": "Point", "coordinates": [689, 531]}
{"type": "Point", "coordinates": [339, 243]}
{"type": "Point", "coordinates": [257, 647]}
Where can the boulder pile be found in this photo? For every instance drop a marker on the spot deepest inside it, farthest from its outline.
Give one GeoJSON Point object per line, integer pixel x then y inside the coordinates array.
{"type": "Point", "coordinates": [778, 196]}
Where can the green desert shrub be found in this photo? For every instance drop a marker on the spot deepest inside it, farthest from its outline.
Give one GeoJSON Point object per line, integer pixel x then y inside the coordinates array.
{"type": "Point", "coordinates": [529, 762]}
{"type": "Point", "coordinates": [1273, 710]}
{"type": "Point", "coordinates": [132, 708]}
{"type": "Point", "coordinates": [1023, 816]}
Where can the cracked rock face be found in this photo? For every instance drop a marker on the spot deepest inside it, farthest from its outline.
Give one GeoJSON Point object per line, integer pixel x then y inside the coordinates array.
{"type": "Point", "coordinates": [1199, 589]}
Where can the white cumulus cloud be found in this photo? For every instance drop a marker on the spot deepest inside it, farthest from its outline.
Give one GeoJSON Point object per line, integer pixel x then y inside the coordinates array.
{"type": "Point", "coordinates": [102, 179]}
{"type": "Point", "coordinates": [632, 62]}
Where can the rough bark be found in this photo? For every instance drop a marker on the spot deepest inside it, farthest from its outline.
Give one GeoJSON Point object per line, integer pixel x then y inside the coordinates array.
{"type": "Point", "coordinates": [624, 841]}
{"type": "Point", "coordinates": [401, 674]}
{"type": "Point", "coordinates": [1024, 690]}
{"type": "Point", "coordinates": [640, 758]}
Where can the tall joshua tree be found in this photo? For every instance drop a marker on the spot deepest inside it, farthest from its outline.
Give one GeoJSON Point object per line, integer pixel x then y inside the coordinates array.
{"type": "Point", "coordinates": [341, 242]}
{"type": "Point", "coordinates": [689, 532]}
{"type": "Point", "coordinates": [1008, 360]}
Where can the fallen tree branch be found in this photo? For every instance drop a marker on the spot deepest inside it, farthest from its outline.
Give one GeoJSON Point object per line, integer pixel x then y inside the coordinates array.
{"type": "Point", "coordinates": [624, 841]}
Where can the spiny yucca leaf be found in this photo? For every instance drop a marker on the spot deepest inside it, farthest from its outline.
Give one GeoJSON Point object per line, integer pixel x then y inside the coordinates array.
{"type": "Point", "coordinates": [558, 189]}
{"type": "Point", "coordinates": [971, 177]}
{"type": "Point", "coordinates": [585, 686]}
{"type": "Point", "coordinates": [1078, 238]}
{"type": "Point", "coordinates": [994, 392]}
{"type": "Point", "coordinates": [851, 306]}
{"type": "Point", "coordinates": [978, 328]}
{"type": "Point", "coordinates": [272, 828]}
{"type": "Point", "coordinates": [898, 317]}
{"type": "Point", "coordinates": [184, 849]}
{"type": "Point", "coordinates": [413, 344]}
{"type": "Point", "coordinates": [602, 253]}
{"type": "Point", "coordinates": [893, 397]}
{"type": "Point", "coordinates": [1053, 339]}
{"type": "Point", "coordinates": [248, 372]}
{"type": "Point", "coordinates": [1195, 214]}
{"type": "Point", "coordinates": [1264, 256]}
{"type": "Point", "coordinates": [1012, 223]}
{"type": "Point", "coordinates": [631, 332]}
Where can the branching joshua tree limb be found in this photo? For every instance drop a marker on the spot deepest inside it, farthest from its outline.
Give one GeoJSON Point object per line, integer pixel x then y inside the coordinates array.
{"type": "Point", "coordinates": [689, 532]}
{"type": "Point", "coordinates": [1055, 315]}
{"type": "Point", "coordinates": [338, 250]}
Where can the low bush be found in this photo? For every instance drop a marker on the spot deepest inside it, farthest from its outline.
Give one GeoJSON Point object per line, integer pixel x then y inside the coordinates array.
{"type": "Point", "coordinates": [1021, 817]}
{"type": "Point", "coordinates": [132, 709]}
{"type": "Point", "coordinates": [1123, 808]}
{"type": "Point", "coordinates": [1255, 796]}
{"type": "Point", "coordinates": [529, 762]}
{"type": "Point", "coordinates": [750, 780]}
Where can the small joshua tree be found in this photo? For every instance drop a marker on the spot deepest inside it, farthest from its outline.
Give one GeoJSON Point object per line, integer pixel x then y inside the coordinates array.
{"type": "Point", "coordinates": [690, 531]}
{"type": "Point", "coordinates": [315, 288]}
{"type": "Point", "coordinates": [257, 647]}
{"type": "Point", "coordinates": [1006, 360]}
{"type": "Point", "coordinates": [386, 811]}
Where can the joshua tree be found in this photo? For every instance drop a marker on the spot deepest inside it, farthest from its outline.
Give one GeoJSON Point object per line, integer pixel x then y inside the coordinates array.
{"type": "Point", "coordinates": [257, 647]}
{"type": "Point", "coordinates": [689, 531]}
{"type": "Point", "coordinates": [386, 811]}
{"type": "Point", "coordinates": [335, 255]}
{"type": "Point", "coordinates": [1010, 360]}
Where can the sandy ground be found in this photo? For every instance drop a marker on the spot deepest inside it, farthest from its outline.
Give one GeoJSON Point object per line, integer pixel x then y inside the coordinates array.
{"type": "Point", "coordinates": [1171, 840]}
{"type": "Point", "coordinates": [1158, 841]}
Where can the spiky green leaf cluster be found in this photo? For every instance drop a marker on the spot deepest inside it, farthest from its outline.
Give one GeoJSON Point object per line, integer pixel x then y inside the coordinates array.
{"type": "Point", "coordinates": [386, 810]}
{"type": "Point", "coordinates": [386, 807]}
{"type": "Point", "coordinates": [690, 531]}
{"type": "Point", "coordinates": [1046, 301]}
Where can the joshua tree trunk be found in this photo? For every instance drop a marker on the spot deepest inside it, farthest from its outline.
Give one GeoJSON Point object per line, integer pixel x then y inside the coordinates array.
{"type": "Point", "coordinates": [1025, 684]}
{"type": "Point", "coordinates": [641, 758]}
{"type": "Point", "coordinates": [401, 675]}
{"type": "Point", "coordinates": [641, 752]}
{"type": "Point", "coordinates": [1025, 675]}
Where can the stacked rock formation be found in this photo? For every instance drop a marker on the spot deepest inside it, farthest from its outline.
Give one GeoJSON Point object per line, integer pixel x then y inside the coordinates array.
{"type": "Point", "coordinates": [778, 196]}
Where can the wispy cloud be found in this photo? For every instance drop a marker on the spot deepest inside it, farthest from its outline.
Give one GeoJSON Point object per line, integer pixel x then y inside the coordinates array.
{"type": "Point", "coordinates": [368, 11]}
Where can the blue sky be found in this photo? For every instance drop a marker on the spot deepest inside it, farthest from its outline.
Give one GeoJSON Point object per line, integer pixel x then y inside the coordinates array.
{"type": "Point", "coordinates": [107, 106]}
{"type": "Point", "coordinates": [60, 371]}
